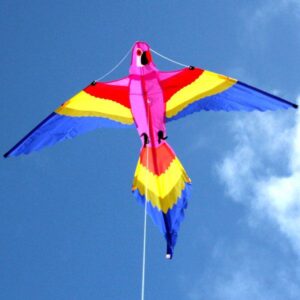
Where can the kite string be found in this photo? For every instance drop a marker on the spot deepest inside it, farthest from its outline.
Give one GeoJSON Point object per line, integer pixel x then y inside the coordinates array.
{"type": "Point", "coordinates": [116, 66]}
{"type": "Point", "coordinates": [145, 209]}
{"type": "Point", "coordinates": [145, 235]}
{"type": "Point", "coordinates": [169, 59]}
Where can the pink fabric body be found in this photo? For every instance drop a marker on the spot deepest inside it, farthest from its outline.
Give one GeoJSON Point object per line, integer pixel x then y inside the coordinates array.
{"type": "Point", "coordinates": [146, 97]}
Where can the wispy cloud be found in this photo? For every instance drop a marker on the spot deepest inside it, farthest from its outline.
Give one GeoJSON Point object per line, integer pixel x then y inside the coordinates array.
{"type": "Point", "coordinates": [242, 271]}
{"type": "Point", "coordinates": [270, 9]}
{"type": "Point", "coordinates": [263, 171]}
{"type": "Point", "coordinates": [267, 24]}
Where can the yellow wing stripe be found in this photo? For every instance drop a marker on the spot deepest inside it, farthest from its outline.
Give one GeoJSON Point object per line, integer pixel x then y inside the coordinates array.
{"type": "Point", "coordinates": [86, 105]}
{"type": "Point", "coordinates": [162, 191]}
{"type": "Point", "coordinates": [207, 84]}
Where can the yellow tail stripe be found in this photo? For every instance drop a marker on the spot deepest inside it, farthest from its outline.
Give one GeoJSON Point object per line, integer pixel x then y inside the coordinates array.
{"type": "Point", "coordinates": [207, 84]}
{"type": "Point", "coordinates": [164, 190]}
{"type": "Point", "coordinates": [162, 203]}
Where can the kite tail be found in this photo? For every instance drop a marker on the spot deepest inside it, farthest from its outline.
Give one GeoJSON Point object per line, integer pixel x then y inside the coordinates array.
{"type": "Point", "coordinates": [162, 181]}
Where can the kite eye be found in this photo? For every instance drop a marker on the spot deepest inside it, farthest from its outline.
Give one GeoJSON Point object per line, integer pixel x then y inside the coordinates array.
{"type": "Point", "coordinates": [139, 52]}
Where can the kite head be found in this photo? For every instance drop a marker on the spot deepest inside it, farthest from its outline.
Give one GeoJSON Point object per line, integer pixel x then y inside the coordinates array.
{"type": "Point", "coordinates": [141, 58]}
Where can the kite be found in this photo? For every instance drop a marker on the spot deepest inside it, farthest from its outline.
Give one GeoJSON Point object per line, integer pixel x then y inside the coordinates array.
{"type": "Point", "coordinates": [147, 99]}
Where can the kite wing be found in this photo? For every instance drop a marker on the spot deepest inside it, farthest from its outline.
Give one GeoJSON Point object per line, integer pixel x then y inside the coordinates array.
{"type": "Point", "coordinates": [192, 89]}
{"type": "Point", "coordinates": [98, 105]}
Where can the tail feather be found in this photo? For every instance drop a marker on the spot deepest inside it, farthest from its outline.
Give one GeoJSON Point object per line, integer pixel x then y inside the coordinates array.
{"type": "Point", "coordinates": [161, 180]}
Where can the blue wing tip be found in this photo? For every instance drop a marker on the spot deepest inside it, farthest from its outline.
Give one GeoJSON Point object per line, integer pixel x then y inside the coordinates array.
{"type": "Point", "coordinates": [6, 155]}
{"type": "Point", "coordinates": [268, 94]}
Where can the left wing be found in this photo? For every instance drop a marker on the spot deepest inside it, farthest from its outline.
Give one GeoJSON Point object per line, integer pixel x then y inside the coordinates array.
{"type": "Point", "coordinates": [192, 89]}
{"type": "Point", "coordinates": [98, 105]}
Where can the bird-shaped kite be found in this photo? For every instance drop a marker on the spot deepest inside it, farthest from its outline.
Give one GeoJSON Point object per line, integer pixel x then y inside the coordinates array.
{"type": "Point", "coordinates": [148, 98]}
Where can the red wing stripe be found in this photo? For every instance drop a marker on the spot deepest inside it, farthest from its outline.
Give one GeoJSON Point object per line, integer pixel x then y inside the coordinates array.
{"type": "Point", "coordinates": [116, 93]}
{"type": "Point", "coordinates": [173, 84]}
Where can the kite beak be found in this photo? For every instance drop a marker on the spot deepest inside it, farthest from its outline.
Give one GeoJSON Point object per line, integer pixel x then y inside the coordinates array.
{"type": "Point", "coordinates": [143, 57]}
{"type": "Point", "coordinates": [146, 58]}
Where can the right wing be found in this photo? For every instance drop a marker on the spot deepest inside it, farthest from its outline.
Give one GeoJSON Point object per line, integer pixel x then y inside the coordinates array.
{"type": "Point", "coordinates": [98, 105]}
{"type": "Point", "coordinates": [192, 89]}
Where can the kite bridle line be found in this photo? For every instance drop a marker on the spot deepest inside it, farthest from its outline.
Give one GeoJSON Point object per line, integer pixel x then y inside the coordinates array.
{"type": "Point", "coordinates": [127, 53]}
{"type": "Point", "coordinates": [116, 66]}
{"type": "Point", "coordinates": [169, 59]}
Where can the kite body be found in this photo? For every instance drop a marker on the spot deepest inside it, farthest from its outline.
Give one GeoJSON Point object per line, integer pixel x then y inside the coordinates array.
{"type": "Point", "coordinates": [160, 181]}
{"type": "Point", "coordinates": [149, 98]}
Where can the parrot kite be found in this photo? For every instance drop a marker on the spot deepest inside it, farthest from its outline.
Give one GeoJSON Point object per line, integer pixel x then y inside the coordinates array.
{"type": "Point", "coordinates": [148, 98]}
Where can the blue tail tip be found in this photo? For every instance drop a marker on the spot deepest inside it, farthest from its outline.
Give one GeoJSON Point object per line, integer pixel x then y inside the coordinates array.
{"type": "Point", "coordinates": [169, 254]}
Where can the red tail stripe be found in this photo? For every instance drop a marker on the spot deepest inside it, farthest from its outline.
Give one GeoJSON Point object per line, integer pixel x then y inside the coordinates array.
{"type": "Point", "coordinates": [159, 159]}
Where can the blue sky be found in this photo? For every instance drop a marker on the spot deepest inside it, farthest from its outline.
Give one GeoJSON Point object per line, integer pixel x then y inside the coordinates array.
{"type": "Point", "coordinates": [69, 226]}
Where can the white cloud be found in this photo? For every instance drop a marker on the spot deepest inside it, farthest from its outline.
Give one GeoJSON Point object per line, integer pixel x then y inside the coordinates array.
{"type": "Point", "coordinates": [242, 285]}
{"type": "Point", "coordinates": [242, 271]}
{"type": "Point", "coordinates": [263, 172]}
{"type": "Point", "coordinates": [270, 9]}
{"type": "Point", "coordinates": [262, 21]}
